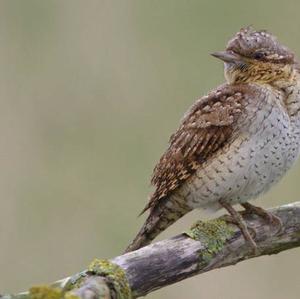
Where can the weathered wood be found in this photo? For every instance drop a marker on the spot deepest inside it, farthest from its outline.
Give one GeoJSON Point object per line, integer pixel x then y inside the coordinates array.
{"type": "Point", "coordinates": [208, 246]}
{"type": "Point", "coordinates": [166, 262]}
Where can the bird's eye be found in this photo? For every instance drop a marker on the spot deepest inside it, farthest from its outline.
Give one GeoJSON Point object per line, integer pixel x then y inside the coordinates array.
{"type": "Point", "coordinates": [259, 55]}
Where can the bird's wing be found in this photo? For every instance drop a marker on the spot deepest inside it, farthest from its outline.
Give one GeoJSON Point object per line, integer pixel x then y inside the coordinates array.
{"type": "Point", "coordinates": [207, 127]}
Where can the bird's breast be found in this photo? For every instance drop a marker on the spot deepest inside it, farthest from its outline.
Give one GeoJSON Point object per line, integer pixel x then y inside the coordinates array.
{"type": "Point", "coordinates": [259, 156]}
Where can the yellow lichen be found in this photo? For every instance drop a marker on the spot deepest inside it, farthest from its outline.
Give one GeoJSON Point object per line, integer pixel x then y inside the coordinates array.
{"type": "Point", "coordinates": [45, 292]}
{"type": "Point", "coordinates": [213, 234]}
{"type": "Point", "coordinates": [70, 295]}
{"type": "Point", "coordinates": [114, 274]}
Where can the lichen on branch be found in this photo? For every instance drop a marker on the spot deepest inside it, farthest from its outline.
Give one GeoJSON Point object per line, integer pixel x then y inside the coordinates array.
{"type": "Point", "coordinates": [213, 234]}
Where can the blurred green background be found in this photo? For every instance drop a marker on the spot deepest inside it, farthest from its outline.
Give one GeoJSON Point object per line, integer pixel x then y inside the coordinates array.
{"type": "Point", "coordinates": [90, 93]}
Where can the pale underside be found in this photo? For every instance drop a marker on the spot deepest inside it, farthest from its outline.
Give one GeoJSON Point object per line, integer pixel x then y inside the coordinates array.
{"type": "Point", "coordinates": [249, 165]}
{"type": "Point", "coordinates": [260, 149]}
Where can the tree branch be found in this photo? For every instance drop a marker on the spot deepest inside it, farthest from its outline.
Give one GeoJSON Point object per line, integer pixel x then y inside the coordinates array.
{"type": "Point", "coordinates": [207, 246]}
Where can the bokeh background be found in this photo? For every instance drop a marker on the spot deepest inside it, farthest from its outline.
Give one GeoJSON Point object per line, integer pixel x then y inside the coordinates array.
{"type": "Point", "coordinates": [90, 92]}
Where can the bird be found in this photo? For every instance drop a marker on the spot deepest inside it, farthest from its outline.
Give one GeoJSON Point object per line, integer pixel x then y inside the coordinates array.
{"type": "Point", "coordinates": [233, 144]}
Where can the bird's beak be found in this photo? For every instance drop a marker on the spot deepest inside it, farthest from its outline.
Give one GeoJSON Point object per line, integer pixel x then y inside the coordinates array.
{"type": "Point", "coordinates": [227, 56]}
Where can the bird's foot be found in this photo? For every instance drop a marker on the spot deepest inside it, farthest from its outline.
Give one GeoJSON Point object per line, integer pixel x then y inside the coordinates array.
{"type": "Point", "coordinates": [235, 217]}
{"type": "Point", "coordinates": [268, 216]}
{"type": "Point", "coordinates": [231, 220]}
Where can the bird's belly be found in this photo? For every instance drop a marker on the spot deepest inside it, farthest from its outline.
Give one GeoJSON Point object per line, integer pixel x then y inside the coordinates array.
{"type": "Point", "coordinates": [275, 154]}
{"type": "Point", "coordinates": [247, 168]}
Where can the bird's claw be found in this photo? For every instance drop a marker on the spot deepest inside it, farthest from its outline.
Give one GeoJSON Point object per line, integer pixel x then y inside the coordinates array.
{"type": "Point", "coordinates": [268, 216]}
{"type": "Point", "coordinates": [249, 233]}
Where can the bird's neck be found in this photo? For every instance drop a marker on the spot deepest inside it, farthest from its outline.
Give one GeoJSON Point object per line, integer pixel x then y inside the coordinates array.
{"type": "Point", "coordinates": [275, 75]}
{"type": "Point", "coordinates": [291, 90]}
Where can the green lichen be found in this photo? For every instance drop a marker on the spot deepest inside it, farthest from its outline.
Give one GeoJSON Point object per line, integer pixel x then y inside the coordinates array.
{"type": "Point", "coordinates": [213, 234]}
{"type": "Point", "coordinates": [45, 292]}
{"type": "Point", "coordinates": [114, 274]}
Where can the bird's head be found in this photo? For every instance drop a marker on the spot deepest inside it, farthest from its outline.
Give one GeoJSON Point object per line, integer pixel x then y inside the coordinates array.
{"type": "Point", "coordinates": [257, 57]}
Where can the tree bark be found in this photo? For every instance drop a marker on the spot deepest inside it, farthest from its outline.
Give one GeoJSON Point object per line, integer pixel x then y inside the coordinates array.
{"type": "Point", "coordinates": [207, 246]}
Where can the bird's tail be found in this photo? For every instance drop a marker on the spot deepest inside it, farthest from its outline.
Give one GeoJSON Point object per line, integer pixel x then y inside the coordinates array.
{"type": "Point", "coordinates": [162, 215]}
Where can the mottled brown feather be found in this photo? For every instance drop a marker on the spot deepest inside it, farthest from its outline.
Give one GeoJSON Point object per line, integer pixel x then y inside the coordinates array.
{"type": "Point", "coordinates": [205, 128]}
